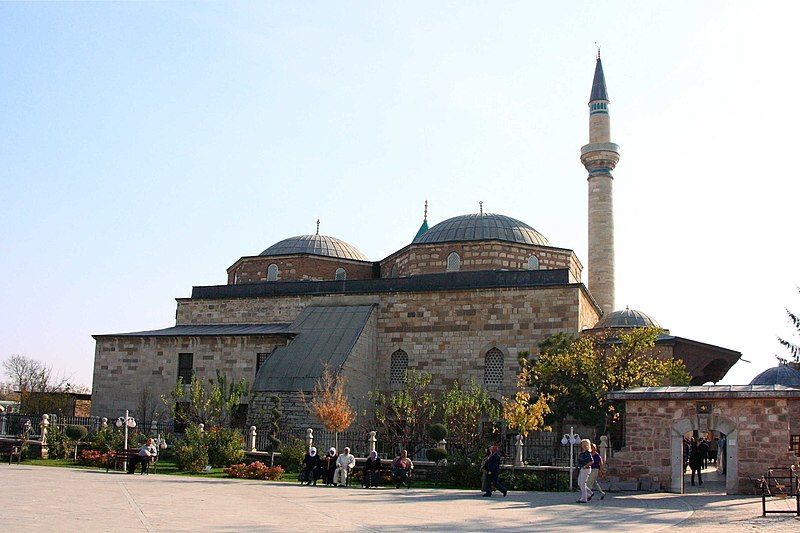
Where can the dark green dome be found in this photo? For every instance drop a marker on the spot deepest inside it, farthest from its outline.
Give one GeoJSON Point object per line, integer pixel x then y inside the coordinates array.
{"type": "Point", "coordinates": [482, 227]}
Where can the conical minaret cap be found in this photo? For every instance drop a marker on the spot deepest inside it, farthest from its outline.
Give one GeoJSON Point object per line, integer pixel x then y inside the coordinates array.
{"type": "Point", "coordinates": [599, 91]}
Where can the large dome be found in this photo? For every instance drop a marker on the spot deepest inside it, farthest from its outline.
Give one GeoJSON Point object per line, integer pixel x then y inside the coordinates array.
{"type": "Point", "coordinates": [482, 227]}
{"type": "Point", "coordinates": [779, 375]}
{"type": "Point", "coordinates": [316, 245]}
{"type": "Point", "coordinates": [627, 318]}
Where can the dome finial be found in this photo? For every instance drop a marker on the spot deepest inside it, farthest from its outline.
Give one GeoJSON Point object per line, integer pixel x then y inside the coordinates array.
{"type": "Point", "coordinates": [425, 217]}
{"type": "Point", "coordinates": [480, 204]}
{"type": "Point", "coordinates": [598, 49]}
{"type": "Point", "coordinates": [317, 226]}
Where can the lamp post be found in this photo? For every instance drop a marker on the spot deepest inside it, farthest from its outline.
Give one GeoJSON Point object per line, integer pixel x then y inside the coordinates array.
{"type": "Point", "coordinates": [572, 439]}
{"type": "Point", "coordinates": [127, 422]}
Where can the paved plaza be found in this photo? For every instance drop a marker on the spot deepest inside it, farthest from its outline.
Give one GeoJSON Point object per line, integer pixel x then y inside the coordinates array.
{"type": "Point", "coordinates": [60, 499]}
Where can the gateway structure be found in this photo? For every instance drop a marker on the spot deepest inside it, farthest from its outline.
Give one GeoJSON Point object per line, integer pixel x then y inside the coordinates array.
{"type": "Point", "coordinates": [461, 301]}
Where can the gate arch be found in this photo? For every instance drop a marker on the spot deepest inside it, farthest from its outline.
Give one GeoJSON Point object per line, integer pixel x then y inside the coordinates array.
{"type": "Point", "coordinates": [704, 423]}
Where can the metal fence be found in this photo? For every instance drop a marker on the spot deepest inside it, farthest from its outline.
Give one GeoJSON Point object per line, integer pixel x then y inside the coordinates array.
{"type": "Point", "coordinates": [12, 424]}
{"type": "Point", "coordinates": [544, 449]}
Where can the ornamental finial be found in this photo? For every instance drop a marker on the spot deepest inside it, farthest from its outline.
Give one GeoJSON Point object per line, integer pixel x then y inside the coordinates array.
{"type": "Point", "coordinates": [317, 226]}
{"type": "Point", "coordinates": [598, 49]}
{"type": "Point", "coordinates": [481, 206]}
{"type": "Point", "coordinates": [426, 210]}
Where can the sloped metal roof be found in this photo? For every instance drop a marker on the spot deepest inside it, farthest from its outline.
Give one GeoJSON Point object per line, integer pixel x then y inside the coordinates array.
{"type": "Point", "coordinates": [778, 375]}
{"type": "Point", "coordinates": [208, 330]}
{"type": "Point", "coordinates": [599, 91]}
{"type": "Point", "coordinates": [315, 245]}
{"type": "Point", "coordinates": [627, 318]}
{"type": "Point", "coordinates": [482, 227]}
{"type": "Point", "coordinates": [705, 391]}
{"type": "Point", "coordinates": [326, 336]}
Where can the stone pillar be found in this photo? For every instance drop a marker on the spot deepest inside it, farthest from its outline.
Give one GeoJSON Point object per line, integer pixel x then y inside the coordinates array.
{"type": "Point", "coordinates": [604, 447]}
{"type": "Point", "coordinates": [372, 441]}
{"type": "Point", "coordinates": [103, 423]}
{"type": "Point", "coordinates": [44, 424]}
{"type": "Point", "coordinates": [309, 438]}
{"type": "Point", "coordinates": [201, 427]}
{"type": "Point", "coordinates": [153, 427]}
{"type": "Point", "coordinates": [442, 445]}
{"type": "Point", "coordinates": [252, 438]}
{"type": "Point", "coordinates": [518, 451]}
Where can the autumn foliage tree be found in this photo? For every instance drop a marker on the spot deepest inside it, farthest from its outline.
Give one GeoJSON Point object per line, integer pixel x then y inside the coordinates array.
{"type": "Point", "coordinates": [329, 403]}
{"type": "Point", "coordinates": [576, 374]}
{"type": "Point", "coordinates": [522, 413]}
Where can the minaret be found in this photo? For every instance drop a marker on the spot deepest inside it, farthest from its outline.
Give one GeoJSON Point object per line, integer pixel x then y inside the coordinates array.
{"type": "Point", "coordinates": [600, 157]}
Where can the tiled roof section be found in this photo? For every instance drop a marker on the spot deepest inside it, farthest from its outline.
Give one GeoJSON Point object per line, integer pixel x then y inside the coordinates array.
{"type": "Point", "coordinates": [482, 227]}
{"type": "Point", "coordinates": [326, 336]}
{"type": "Point", "coordinates": [599, 91]}
{"type": "Point", "coordinates": [208, 330]}
{"type": "Point", "coordinates": [779, 375]}
{"type": "Point", "coordinates": [705, 391]}
{"type": "Point", "coordinates": [627, 318]}
{"type": "Point", "coordinates": [315, 245]}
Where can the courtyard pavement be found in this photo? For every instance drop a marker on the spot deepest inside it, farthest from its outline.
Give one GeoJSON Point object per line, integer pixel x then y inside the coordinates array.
{"type": "Point", "coordinates": [38, 498]}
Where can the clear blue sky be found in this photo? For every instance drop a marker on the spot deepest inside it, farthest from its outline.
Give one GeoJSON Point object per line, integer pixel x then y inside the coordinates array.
{"type": "Point", "coordinates": [144, 147]}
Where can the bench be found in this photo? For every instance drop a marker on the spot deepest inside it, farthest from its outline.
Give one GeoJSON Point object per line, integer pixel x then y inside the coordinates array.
{"type": "Point", "coordinates": [8, 448]}
{"type": "Point", "coordinates": [118, 458]}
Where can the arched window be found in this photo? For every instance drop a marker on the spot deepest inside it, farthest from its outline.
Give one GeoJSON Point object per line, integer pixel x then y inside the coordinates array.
{"type": "Point", "coordinates": [453, 262]}
{"type": "Point", "coordinates": [272, 272]}
{"type": "Point", "coordinates": [493, 368]}
{"type": "Point", "coordinates": [393, 273]}
{"type": "Point", "coordinates": [398, 368]}
{"type": "Point", "coordinates": [533, 263]}
{"type": "Point", "coordinates": [340, 275]}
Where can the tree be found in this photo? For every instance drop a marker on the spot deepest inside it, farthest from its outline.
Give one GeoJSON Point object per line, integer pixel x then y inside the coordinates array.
{"type": "Point", "coordinates": [792, 348]}
{"type": "Point", "coordinates": [275, 424]}
{"type": "Point", "coordinates": [522, 413]}
{"type": "Point", "coordinates": [329, 403]}
{"type": "Point", "coordinates": [30, 375]}
{"type": "Point", "coordinates": [405, 414]}
{"type": "Point", "coordinates": [464, 409]}
{"type": "Point", "coordinates": [213, 407]}
{"type": "Point", "coordinates": [77, 434]}
{"type": "Point", "coordinates": [577, 375]}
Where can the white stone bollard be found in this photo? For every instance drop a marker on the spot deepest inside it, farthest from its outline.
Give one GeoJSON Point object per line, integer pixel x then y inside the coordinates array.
{"type": "Point", "coordinates": [518, 451]}
{"type": "Point", "coordinates": [153, 427]}
{"type": "Point", "coordinates": [45, 423]}
{"type": "Point", "coordinates": [252, 438]}
{"type": "Point", "coordinates": [202, 427]}
{"type": "Point", "coordinates": [309, 438]}
{"type": "Point", "coordinates": [103, 423]}
{"type": "Point", "coordinates": [372, 441]}
{"type": "Point", "coordinates": [604, 446]}
{"type": "Point", "coordinates": [442, 444]}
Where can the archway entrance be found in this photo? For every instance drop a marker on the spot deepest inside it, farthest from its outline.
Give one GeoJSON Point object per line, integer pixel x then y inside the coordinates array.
{"type": "Point", "coordinates": [727, 454]}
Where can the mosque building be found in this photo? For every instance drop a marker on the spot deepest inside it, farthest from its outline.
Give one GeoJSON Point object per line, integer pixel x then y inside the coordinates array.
{"type": "Point", "coordinates": [460, 302]}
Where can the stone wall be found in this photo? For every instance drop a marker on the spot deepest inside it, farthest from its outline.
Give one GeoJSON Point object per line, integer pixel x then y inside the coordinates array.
{"type": "Point", "coordinates": [761, 428]}
{"type": "Point", "coordinates": [477, 255]}
{"type": "Point", "coordinates": [296, 267]}
{"type": "Point", "coordinates": [124, 367]}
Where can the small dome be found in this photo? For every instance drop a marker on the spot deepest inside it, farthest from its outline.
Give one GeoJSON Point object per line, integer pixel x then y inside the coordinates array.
{"type": "Point", "coordinates": [315, 245]}
{"type": "Point", "coordinates": [482, 227]}
{"type": "Point", "coordinates": [780, 375]}
{"type": "Point", "coordinates": [627, 318]}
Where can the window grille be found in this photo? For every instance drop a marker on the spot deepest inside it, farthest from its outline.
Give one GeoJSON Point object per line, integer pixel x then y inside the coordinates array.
{"type": "Point", "coordinates": [398, 368]}
{"type": "Point", "coordinates": [185, 367]}
{"type": "Point", "coordinates": [272, 272]}
{"type": "Point", "coordinates": [493, 368]}
{"type": "Point", "coordinates": [340, 275]}
{"type": "Point", "coordinates": [260, 358]}
{"type": "Point", "coordinates": [533, 263]}
{"type": "Point", "coordinates": [453, 262]}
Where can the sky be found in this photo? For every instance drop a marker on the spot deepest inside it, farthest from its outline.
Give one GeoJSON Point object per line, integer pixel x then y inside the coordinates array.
{"type": "Point", "coordinates": [145, 147]}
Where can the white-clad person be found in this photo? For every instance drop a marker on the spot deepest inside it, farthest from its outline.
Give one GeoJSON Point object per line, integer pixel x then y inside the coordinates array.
{"type": "Point", "coordinates": [344, 464]}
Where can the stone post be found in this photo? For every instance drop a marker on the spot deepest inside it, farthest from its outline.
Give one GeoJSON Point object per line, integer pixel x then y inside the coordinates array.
{"type": "Point", "coordinates": [442, 444]}
{"type": "Point", "coordinates": [153, 427]}
{"type": "Point", "coordinates": [252, 438]}
{"type": "Point", "coordinates": [372, 441]}
{"type": "Point", "coordinates": [45, 423]}
{"type": "Point", "coordinates": [604, 447]}
{"type": "Point", "coordinates": [309, 438]}
{"type": "Point", "coordinates": [103, 423]}
{"type": "Point", "coordinates": [518, 451]}
{"type": "Point", "coordinates": [201, 427]}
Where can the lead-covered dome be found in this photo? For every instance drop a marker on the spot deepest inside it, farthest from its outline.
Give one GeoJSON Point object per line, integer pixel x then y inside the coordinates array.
{"type": "Point", "coordinates": [315, 245]}
{"type": "Point", "coordinates": [627, 318]}
{"type": "Point", "coordinates": [482, 227]}
{"type": "Point", "coordinates": [779, 375]}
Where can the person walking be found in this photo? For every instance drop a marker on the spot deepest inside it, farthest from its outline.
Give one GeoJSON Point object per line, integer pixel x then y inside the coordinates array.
{"type": "Point", "coordinates": [585, 465]}
{"type": "Point", "coordinates": [598, 467]}
{"type": "Point", "coordinates": [704, 449]}
{"type": "Point", "coordinates": [696, 462]}
{"type": "Point", "coordinates": [485, 485]}
{"type": "Point", "coordinates": [493, 467]}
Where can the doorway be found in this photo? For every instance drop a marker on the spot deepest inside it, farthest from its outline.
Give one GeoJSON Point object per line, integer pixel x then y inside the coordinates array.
{"type": "Point", "coordinates": [721, 476]}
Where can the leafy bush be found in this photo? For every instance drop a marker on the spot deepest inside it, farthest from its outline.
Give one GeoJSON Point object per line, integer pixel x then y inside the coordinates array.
{"type": "Point", "coordinates": [58, 444]}
{"type": "Point", "coordinates": [463, 473]}
{"type": "Point", "coordinates": [292, 455]}
{"type": "Point", "coordinates": [76, 433]}
{"type": "Point", "coordinates": [106, 439]}
{"type": "Point", "coordinates": [256, 470]}
{"type": "Point", "coordinates": [92, 458]}
{"type": "Point", "coordinates": [224, 446]}
{"type": "Point", "coordinates": [437, 432]}
{"type": "Point", "coordinates": [435, 454]}
{"type": "Point", "coordinates": [191, 453]}
{"type": "Point", "coordinates": [521, 481]}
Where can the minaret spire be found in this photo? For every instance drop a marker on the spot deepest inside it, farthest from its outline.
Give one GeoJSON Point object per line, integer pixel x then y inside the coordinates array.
{"type": "Point", "coordinates": [600, 157]}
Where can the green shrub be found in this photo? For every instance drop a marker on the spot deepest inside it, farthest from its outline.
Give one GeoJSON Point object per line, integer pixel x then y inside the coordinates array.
{"type": "Point", "coordinates": [435, 454]}
{"type": "Point", "coordinates": [58, 444]}
{"type": "Point", "coordinates": [464, 473]}
{"type": "Point", "coordinates": [292, 455]}
{"type": "Point", "coordinates": [437, 432]}
{"type": "Point", "coordinates": [106, 439]}
{"type": "Point", "coordinates": [191, 453]}
{"type": "Point", "coordinates": [521, 480]}
{"type": "Point", "coordinates": [255, 470]}
{"type": "Point", "coordinates": [224, 446]}
{"type": "Point", "coordinates": [76, 433]}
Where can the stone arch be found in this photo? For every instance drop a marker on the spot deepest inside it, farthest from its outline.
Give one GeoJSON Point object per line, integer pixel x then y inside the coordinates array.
{"type": "Point", "coordinates": [712, 422]}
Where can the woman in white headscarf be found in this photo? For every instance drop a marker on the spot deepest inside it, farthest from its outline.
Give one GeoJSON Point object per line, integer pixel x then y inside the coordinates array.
{"type": "Point", "coordinates": [329, 465]}
{"type": "Point", "coordinates": [312, 465]}
{"type": "Point", "coordinates": [372, 470]}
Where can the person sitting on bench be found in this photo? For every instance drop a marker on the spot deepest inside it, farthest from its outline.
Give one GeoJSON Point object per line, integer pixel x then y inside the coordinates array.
{"type": "Point", "coordinates": [146, 454]}
{"type": "Point", "coordinates": [372, 470]}
{"type": "Point", "coordinates": [344, 464]}
{"type": "Point", "coordinates": [401, 469]}
{"type": "Point", "coordinates": [312, 466]}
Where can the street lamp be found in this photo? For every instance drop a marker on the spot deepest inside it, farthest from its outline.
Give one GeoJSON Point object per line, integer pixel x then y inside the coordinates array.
{"type": "Point", "coordinates": [128, 422]}
{"type": "Point", "coordinates": [572, 439]}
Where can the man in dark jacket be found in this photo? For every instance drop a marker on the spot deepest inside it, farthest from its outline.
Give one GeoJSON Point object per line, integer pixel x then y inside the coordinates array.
{"type": "Point", "coordinates": [696, 462]}
{"type": "Point", "coordinates": [493, 466]}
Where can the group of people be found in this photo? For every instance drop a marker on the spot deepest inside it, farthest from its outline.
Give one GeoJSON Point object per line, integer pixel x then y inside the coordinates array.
{"type": "Point", "coordinates": [335, 468]}
{"type": "Point", "coordinates": [698, 453]}
{"type": "Point", "coordinates": [591, 467]}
